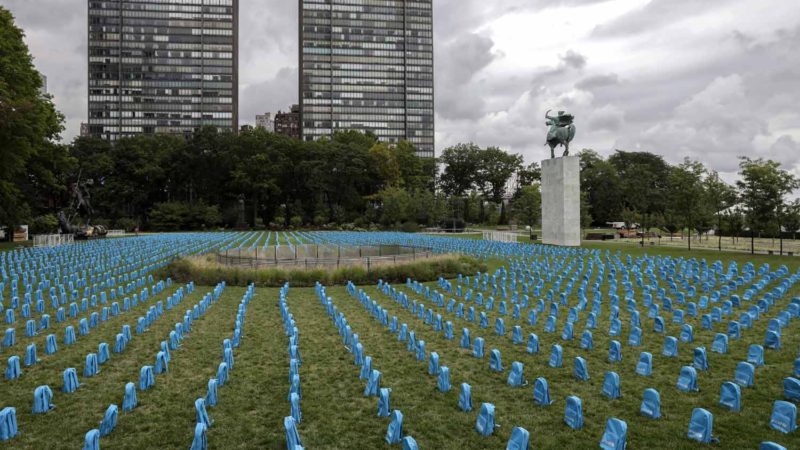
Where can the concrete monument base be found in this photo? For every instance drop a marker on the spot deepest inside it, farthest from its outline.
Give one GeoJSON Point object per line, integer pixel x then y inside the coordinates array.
{"type": "Point", "coordinates": [561, 201]}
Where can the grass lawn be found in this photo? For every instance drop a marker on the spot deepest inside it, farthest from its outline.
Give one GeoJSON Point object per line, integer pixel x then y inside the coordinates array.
{"type": "Point", "coordinates": [336, 415]}
{"type": "Point", "coordinates": [4, 246]}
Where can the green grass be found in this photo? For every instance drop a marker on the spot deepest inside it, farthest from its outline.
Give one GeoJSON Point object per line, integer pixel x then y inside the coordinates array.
{"type": "Point", "coordinates": [6, 246]}
{"type": "Point", "coordinates": [336, 415]}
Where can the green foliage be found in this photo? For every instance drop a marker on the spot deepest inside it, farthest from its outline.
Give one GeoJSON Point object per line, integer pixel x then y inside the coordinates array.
{"type": "Point", "coordinates": [28, 123]}
{"type": "Point", "coordinates": [586, 214]}
{"type": "Point", "coordinates": [494, 168]}
{"type": "Point", "coordinates": [175, 216]}
{"type": "Point", "coordinates": [529, 174]}
{"type": "Point", "coordinates": [686, 199]}
{"type": "Point", "coordinates": [527, 206]}
{"type": "Point", "coordinates": [126, 223]}
{"type": "Point", "coordinates": [395, 205]}
{"type": "Point", "coordinates": [644, 181]}
{"type": "Point", "coordinates": [461, 167]}
{"type": "Point", "coordinates": [184, 270]}
{"type": "Point", "coordinates": [763, 186]}
{"type": "Point", "coordinates": [602, 185]}
{"type": "Point", "coordinates": [44, 224]}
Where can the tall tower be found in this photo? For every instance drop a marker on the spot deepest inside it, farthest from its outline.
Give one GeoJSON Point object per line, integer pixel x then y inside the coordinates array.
{"type": "Point", "coordinates": [162, 66]}
{"type": "Point", "coordinates": [368, 66]}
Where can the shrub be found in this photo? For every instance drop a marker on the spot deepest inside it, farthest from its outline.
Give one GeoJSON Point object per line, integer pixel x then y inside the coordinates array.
{"type": "Point", "coordinates": [208, 272]}
{"type": "Point", "coordinates": [45, 224]}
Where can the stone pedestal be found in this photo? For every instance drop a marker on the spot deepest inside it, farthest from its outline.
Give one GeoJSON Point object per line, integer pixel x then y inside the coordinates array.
{"type": "Point", "coordinates": [561, 201]}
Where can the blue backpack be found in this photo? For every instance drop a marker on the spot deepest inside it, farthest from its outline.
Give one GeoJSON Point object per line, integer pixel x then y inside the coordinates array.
{"type": "Point", "coordinates": [784, 416]}
{"type": "Point", "coordinates": [615, 352]}
{"type": "Point", "coordinates": [443, 383]}
{"type": "Point", "coordinates": [670, 347]}
{"type": "Point", "coordinates": [791, 389]}
{"type": "Point", "coordinates": [645, 365]}
{"type": "Point", "coordinates": [573, 413]}
{"type": "Point", "coordinates": [394, 434]}
{"type": "Point", "coordinates": [485, 424]}
{"type": "Point", "coordinates": [519, 439]}
{"type": "Point", "coordinates": [587, 343]}
{"type": "Point", "coordinates": [515, 376]}
{"type": "Point", "coordinates": [555, 356]}
{"type": "Point", "coordinates": [700, 359]}
{"type": "Point", "coordinates": [755, 355]}
{"type": "Point", "coordinates": [541, 392]}
{"type": "Point", "coordinates": [495, 363]}
{"type": "Point", "coordinates": [651, 404]}
{"type": "Point", "coordinates": [611, 387]}
{"type": "Point", "coordinates": [730, 396]}
{"type": "Point", "coordinates": [700, 426]}
{"type": "Point", "coordinates": [615, 436]}
{"type": "Point", "coordinates": [720, 344]}
{"type": "Point", "coordinates": [745, 374]}
{"type": "Point", "coordinates": [465, 398]}
{"type": "Point", "coordinates": [533, 343]}
{"type": "Point", "coordinates": [580, 372]}
{"type": "Point", "coordinates": [687, 380]}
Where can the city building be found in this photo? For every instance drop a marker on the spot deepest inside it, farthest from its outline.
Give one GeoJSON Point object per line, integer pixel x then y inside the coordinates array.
{"type": "Point", "coordinates": [368, 65]}
{"type": "Point", "coordinates": [265, 121]}
{"type": "Point", "coordinates": [85, 129]}
{"type": "Point", "coordinates": [288, 123]}
{"type": "Point", "coordinates": [162, 66]}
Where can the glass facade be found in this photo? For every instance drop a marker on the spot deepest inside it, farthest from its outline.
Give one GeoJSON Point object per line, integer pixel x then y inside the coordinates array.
{"type": "Point", "coordinates": [368, 65]}
{"type": "Point", "coordinates": [162, 66]}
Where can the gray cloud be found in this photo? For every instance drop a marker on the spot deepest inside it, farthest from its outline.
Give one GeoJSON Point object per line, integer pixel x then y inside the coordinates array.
{"type": "Point", "coordinates": [461, 60]}
{"type": "Point", "coordinates": [573, 60]}
{"type": "Point", "coordinates": [597, 81]}
{"type": "Point", "coordinates": [272, 95]}
{"type": "Point", "coordinates": [708, 80]}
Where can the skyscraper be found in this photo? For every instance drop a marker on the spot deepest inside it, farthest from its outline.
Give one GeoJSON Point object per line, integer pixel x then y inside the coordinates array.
{"type": "Point", "coordinates": [368, 65]}
{"type": "Point", "coordinates": [162, 66]}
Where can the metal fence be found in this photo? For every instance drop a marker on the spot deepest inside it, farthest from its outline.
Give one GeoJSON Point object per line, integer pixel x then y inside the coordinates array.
{"type": "Point", "coordinates": [52, 240]}
{"type": "Point", "coordinates": [312, 256]}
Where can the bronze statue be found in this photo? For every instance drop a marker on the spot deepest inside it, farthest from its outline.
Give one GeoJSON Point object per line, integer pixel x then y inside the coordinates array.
{"type": "Point", "coordinates": [80, 206]}
{"type": "Point", "coordinates": [561, 132]}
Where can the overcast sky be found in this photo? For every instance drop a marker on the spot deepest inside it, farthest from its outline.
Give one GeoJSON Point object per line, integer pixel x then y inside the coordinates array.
{"type": "Point", "coordinates": [711, 80]}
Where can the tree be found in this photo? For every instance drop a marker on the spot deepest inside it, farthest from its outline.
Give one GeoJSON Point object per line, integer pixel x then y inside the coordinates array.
{"type": "Point", "coordinates": [528, 175]}
{"type": "Point", "coordinates": [763, 186]}
{"type": "Point", "coordinates": [28, 120]}
{"type": "Point", "coordinates": [460, 169]}
{"type": "Point", "coordinates": [383, 160]}
{"type": "Point", "coordinates": [686, 194]}
{"type": "Point", "coordinates": [734, 222]}
{"type": "Point", "coordinates": [495, 168]}
{"type": "Point", "coordinates": [527, 206]}
{"type": "Point", "coordinates": [427, 208]}
{"type": "Point", "coordinates": [719, 195]}
{"type": "Point", "coordinates": [791, 217]}
{"type": "Point", "coordinates": [395, 205]}
{"type": "Point", "coordinates": [643, 180]}
{"type": "Point", "coordinates": [586, 215]}
{"type": "Point", "coordinates": [602, 185]}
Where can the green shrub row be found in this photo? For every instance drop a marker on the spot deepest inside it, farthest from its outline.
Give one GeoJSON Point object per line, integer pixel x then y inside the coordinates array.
{"type": "Point", "coordinates": [184, 270]}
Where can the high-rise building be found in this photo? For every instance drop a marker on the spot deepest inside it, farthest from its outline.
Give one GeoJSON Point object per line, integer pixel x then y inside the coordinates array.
{"type": "Point", "coordinates": [162, 66]}
{"type": "Point", "coordinates": [368, 65]}
{"type": "Point", "coordinates": [288, 123]}
{"type": "Point", "coordinates": [265, 121]}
